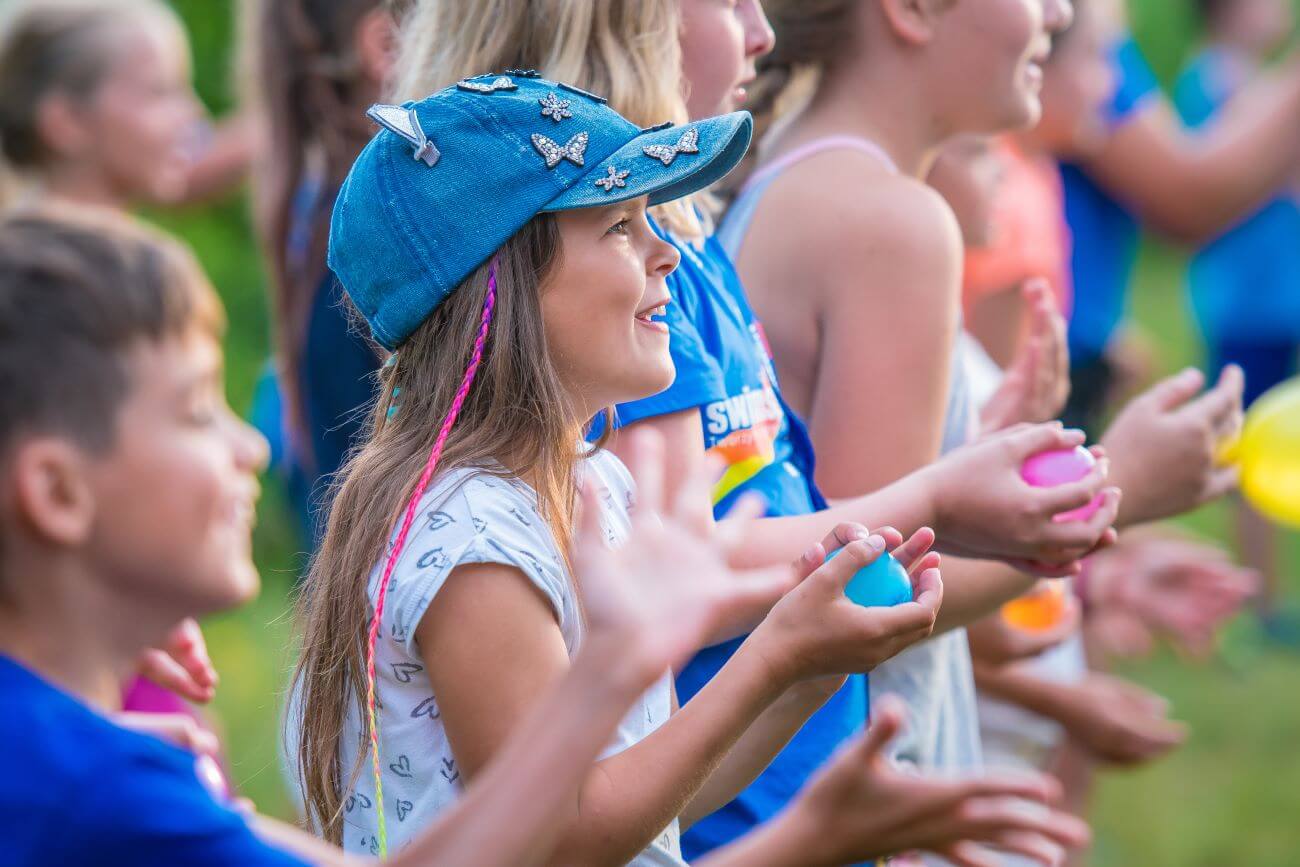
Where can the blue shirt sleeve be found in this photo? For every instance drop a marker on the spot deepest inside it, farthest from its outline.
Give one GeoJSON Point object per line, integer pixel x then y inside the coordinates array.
{"type": "Point", "coordinates": [148, 808]}
{"type": "Point", "coordinates": [1135, 80]}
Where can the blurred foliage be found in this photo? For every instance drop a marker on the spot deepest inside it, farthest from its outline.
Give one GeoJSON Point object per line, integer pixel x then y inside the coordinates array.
{"type": "Point", "coordinates": [1227, 798]}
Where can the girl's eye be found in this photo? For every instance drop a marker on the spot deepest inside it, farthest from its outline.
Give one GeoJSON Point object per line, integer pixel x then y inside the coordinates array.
{"type": "Point", "coordinates": [620, 228]}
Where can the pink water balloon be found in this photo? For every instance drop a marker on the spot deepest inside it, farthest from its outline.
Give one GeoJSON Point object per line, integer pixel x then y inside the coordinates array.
{"type": "Point", "coordinates": [1060, 467]}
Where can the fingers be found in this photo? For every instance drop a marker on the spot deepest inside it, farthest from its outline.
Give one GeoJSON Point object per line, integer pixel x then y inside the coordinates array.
{"type": "Point", "coordinates": [159, 667]}
{"type": "Point", "coordinates": [1033, 846]}
{"type": "Point", "coordinates": [1027, 441]}
{"type": "Point", "coordinates": [1080, 537]}
{"type": "Point", "coordinates": [843, 534]}
{"type": "Point", "coordinates": [927, 591]}
{"type": "Point", "coordinates": [589, 495]}
{"type": "Point", "coordinates": [645, 461]}
{"type": "Point", "coordinates": [1221, 405]}
{"type": "Point", "coordinates": [175, 728]}
{"type": "Point", "coordinates": [910, 552]}
{"type": "Point", "coordinates": [1222, 480]}
{"type": "Point", "coordinates": [187, 647]}
{"type": "Point", "coordinates": [1074, 495]}
{"type": "Point", "coordinates": [840, 570]}
{"type": "Point", "coordinates": [989, 818]}
{"type": "Point", "coordinates": [730, 532]}
{"type": "Point", "coordinates": [888, 716]}
{"type": "Point", "coordinates": [1174, 391]}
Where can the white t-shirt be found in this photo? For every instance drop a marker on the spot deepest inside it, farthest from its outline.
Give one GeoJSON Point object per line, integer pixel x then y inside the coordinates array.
{"type": "Point", "coordinates": [471, 516]}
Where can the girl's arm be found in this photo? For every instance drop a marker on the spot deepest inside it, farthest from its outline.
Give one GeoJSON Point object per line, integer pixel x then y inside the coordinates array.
{"type": "Point", "coordinates": [772, 731]}
{"type": "Point", "coordinates": [860, 808]}
{"type": "Point", "coordinates": [1192, 187]}
{"type": "Point", "coordinates": [630, 797]}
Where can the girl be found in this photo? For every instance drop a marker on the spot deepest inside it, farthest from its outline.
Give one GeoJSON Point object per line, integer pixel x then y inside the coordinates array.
{"type": "Point", "coordinates": [724, 397]}
{"type": "Point", "coordinates": [319, 65]}
{"type": "Point", "coordinates": [549, 298]}
{"type": "Point", "coordinates": [96, 107]}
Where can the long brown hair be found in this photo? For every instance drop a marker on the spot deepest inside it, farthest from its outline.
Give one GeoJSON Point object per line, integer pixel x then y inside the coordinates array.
{"type": "Point", "coordinates": [312, 98]}
{"type": "Point", "coordinates": [515, 422]}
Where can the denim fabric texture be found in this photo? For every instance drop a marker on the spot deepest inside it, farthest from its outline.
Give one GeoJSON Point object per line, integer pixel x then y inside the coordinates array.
{"type": "Point", "coordinates": [405, 234]}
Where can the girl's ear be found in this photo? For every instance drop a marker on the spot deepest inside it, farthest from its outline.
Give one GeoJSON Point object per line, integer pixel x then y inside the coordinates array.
{"type": "Point", "coordinates": [375, 44]}
{"type": "Point", "coordinates": [62, 128]}
{"type": "Point", "coordinates": [913, 21]}
{"type": "Point", "coordinates": [53, 497]}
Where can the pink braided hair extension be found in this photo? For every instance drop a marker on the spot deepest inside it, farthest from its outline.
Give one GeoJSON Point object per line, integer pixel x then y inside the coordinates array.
{"type": "Point", "coordinates": [489, 302]}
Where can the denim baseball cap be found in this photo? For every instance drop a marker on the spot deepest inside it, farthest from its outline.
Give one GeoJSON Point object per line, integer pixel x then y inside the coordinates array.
{"type": "Point", "coordinates": [451, 178]}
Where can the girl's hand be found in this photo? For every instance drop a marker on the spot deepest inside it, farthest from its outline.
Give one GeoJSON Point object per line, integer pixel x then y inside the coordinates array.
{"type": "Point", "coordinates": [1164, 444]}
{"type": "Point", "coordinates": [984, 509]}
{"type": "Point", "coordinates": [1174, 587]}
{"type": "Point", "coordinates": [1119, 722]}
{"type": "Point", "coordinates": [995, 641]}
{"type": "Point", "coordinates": [1035, 387]}
{"type": "Point", "coordinates": [182, 664]}
{"type": "Point", "coordinates": [861, 807]}
{"type": "Point", "coordinates": [816, 631]}
{"type": "Point", "coordinates": [666, 589]}
{"type": "Point", "coordinates": [176, 729]}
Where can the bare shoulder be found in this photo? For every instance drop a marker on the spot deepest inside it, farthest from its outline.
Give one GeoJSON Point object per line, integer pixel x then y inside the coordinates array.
{"type": "Point", "coordinates": [854, 219]}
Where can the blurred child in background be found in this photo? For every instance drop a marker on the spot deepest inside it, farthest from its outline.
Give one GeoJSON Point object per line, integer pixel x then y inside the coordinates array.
{"type": "Point", "coordinates": [96, 107]}
{"type": "Point", "coordinates": [1148, 170]}
{"type": "Point", "coordinates": [318, 64]}
{"type": "Point", "coordinates": [1245, 283]}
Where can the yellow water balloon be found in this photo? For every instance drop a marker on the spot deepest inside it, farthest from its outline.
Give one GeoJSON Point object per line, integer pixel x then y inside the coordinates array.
{"type": "Point", "coordinates": [1268, 453]}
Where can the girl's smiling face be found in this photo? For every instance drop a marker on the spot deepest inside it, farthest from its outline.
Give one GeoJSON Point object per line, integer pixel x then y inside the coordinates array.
{"type": "Point", "coordinates": [603, 303]}
{"type": "Point", "coordinates": [991, 54]}
{"type": "Point", "coordinates": [721, 40]}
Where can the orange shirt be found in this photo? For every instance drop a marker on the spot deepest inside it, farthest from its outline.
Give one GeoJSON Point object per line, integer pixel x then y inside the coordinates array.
{"type": "Point", "coordinates": [1027, 229]}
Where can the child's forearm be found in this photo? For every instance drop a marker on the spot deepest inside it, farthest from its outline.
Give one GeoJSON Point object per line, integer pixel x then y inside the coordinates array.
{"type": "Point", "coordinates": [907, 505]}
{"type": "Point", "coordinates": [514, 809]}
{"type": "Point", "coordinates": [1011, 683]}
{"type": "Point", "coordinates": [759, 746]}
{"type": "Point", "coordinates": [632, 796]}
{"type": "Point", "coordinates": [786, 841]}
{"type": "Point", "coordinates": [973, 589]}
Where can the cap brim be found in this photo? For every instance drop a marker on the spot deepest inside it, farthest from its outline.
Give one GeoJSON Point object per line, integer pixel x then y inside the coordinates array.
{"type": "Point", "coordinates": [721, 142]}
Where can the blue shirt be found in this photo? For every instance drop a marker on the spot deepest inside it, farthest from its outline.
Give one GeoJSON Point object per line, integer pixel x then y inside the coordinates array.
{"type": "Point", "coordinates": [1104, 232]}
{"type": "Point", "coordinates": [77, 789]}
{"type": "Point", "coordinates": [1245, 284]}
{"type": "Point", "coordinates": [724, 369]}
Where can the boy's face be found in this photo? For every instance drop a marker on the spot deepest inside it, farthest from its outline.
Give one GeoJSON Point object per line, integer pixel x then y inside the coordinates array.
{"type": "Point", "coordinates": [174, 496]}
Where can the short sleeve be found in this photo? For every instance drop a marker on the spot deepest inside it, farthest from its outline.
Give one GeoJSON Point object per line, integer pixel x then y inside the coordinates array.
{"type": "Point", "coordinates": [1136, 82]}
{"type": "Point", "coordinates": [483, 519]}
{"type": "Point", "coordinates": [151, 809]}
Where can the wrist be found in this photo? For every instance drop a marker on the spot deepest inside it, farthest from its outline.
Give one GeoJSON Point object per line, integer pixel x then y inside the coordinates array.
{"type": "Point", "coordinates": [763, 655]}
{"type": "Point", "coordinates": [615, 666]}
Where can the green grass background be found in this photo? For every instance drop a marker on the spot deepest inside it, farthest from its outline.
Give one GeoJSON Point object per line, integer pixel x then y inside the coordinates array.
{"type": "Point", "coordinates": [1227, 798]}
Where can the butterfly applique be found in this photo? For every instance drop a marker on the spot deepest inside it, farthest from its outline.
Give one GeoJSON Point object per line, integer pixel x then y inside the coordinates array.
{"type": "Point", "coordinates": [501, 82]}
{"type": "Point", "coordinates": [572, 150]}
{"type": "Point", "coordinates": [405, 123]}
{"type": "Point", "coordinates": [687, 144]}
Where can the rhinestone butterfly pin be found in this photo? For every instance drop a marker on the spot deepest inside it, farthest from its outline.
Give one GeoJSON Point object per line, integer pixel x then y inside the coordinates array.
{"type": "Point", "coordinates": [405, 123]}
{"type": "Point", "coordinates": [615, 178]}
{"type": "Point", "coordinates": [555, 108]}
{"type": "Point", "coordinates": [501, 82]}
{"type": "Point", "coordinates": [687, 144]}
{"type": "Point", "coordinates": [572, 150]}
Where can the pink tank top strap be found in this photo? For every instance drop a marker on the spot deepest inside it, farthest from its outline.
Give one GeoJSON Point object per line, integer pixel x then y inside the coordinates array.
{"type": "Point", "coordinates": [766, 173]}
